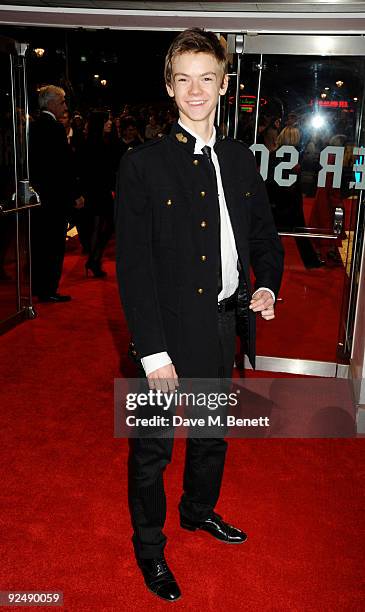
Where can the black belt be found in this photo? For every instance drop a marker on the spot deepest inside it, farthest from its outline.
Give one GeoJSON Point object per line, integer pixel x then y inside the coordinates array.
{"type": "Point", "coordinates": [227, 304]}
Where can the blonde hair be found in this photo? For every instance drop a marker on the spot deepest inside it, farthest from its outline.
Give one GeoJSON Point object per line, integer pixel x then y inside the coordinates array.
{"type": "Point", "coordinates": [289, 136]}
{"type": "Point", "coordinates": [196, 40]}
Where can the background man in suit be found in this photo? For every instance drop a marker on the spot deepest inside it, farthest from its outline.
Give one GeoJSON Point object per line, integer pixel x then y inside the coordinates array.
{"type": "Point", "coordinates": [192, 216]}
{"type": "Point", "coordinates": [52, 175]}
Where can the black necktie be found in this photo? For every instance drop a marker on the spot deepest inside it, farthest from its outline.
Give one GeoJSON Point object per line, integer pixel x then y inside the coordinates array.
{"type": "Point", "coordinates": [208, 152]}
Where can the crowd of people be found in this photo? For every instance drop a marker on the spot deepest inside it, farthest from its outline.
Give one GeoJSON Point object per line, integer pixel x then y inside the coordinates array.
{"type": "Point", "coordinates": [98, 141]}
{"type": "Point", "coordinates": [73, 163]}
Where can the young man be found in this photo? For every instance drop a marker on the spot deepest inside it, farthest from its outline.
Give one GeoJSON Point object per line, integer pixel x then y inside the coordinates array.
{"type": "Point", "coordinates": [192, 216]}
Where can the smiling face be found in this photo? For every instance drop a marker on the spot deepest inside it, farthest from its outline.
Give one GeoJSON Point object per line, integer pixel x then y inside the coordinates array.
{"type": "Point", "coordinates": [196, 84]}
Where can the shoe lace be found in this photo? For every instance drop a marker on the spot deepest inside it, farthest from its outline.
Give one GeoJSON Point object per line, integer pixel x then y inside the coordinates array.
{"type": "Point", "coordinates": [223, 523]}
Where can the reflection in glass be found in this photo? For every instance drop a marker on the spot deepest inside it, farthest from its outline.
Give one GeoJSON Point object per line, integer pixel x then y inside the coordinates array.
{"type": "Point", "coordinates": [8, 266]}
{"type": "Point", "coordinates": [301, 117]}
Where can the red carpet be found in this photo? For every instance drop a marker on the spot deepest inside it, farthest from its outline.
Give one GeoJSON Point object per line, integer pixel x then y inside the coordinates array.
{"type": "Point", "coordinates": [307, 325]}
{"type": "Point", "coordinates": [65, 523]}
{"type": "Point", "coordinates": [309, 313]}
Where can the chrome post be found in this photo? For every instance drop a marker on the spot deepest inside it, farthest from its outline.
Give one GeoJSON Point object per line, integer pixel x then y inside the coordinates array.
{"type": "Point", "coordinates": [258, 98]}
{"type": "Point", "coordinates": [239, 51]}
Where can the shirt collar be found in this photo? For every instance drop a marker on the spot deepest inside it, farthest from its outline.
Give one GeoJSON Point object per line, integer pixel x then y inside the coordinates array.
{"type": "Point", "coordinates": [199, 142]}
{"type": "Point", "coordinates": [49, 113]}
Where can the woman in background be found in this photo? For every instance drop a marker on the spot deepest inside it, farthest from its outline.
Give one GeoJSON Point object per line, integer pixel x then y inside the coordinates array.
{"type": "Point", "coordinates": [100, 162]}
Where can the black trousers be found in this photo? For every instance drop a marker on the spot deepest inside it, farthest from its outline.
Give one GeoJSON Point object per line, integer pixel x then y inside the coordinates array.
{"type": "Point", "coordinates": [101, 232]}
{"type": "Point", "coordinates": [48, 241]}
{"type": "Point", "coordinates": [204, 465]}
{"type": "Point", "coordinates": [83, 222]}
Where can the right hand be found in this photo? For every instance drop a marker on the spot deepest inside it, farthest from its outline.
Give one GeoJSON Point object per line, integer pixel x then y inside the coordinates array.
{"type": "Point", "coordinates": [79, 203]}
{"type": "Point", "coordinates": [164, 378]}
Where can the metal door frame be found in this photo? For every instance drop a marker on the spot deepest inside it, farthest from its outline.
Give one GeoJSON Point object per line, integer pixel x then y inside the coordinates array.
{"type": "Point", "coordinates": [289, 16]}
{"type": "Point", "coordinates": [305, 45]}
{"type": "Point", "coordinates": [20, 204]}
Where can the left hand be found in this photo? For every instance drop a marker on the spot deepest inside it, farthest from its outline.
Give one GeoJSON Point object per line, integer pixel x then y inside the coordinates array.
{"type": "Point", "coordinates": [262, 302]}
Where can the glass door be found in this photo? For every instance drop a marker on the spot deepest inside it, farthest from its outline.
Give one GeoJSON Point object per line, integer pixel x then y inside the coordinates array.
{"type": "Point", "coordinates": [16, 196]}
{"type": "Point", "coordinates": [297, 102]}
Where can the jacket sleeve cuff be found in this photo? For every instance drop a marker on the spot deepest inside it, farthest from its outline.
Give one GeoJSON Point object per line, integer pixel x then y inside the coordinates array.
{"type": "Point", "coordinates": [155, 361]}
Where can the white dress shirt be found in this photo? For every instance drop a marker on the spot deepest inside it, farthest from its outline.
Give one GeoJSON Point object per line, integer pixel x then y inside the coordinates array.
{"type": "Point", "coordinates": [229, 256]}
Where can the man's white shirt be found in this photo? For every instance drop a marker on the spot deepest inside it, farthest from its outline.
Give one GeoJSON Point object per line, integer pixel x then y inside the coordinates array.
{"type": "Point", "coordinates": [49, 113]}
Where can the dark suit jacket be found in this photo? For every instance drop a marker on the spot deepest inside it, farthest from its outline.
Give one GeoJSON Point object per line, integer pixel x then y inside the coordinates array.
{"type": "Point", "coordinates": [51, 165]}
{"type": "Point", "coordinates": [166, 219]}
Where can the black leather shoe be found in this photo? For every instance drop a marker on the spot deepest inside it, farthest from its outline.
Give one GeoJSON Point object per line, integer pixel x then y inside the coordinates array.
{"type": "Point", "coordinates": [218, 528]}
{"type": "Point", "coordinates": [159, 579]}
{"type": "Point", "coordinates": [57, 297]}
{"type": "Point", "coordinates": [317, 263]}
{"type": "Point", "coordinates": [96, 269]}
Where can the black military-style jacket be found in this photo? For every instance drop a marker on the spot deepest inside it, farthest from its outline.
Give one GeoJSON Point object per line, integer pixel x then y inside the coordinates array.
{"type": "Point", "coordinates": [168, 246]}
